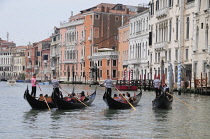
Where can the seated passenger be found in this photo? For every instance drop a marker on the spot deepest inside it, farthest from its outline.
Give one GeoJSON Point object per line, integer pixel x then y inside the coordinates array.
{"type": "Point", "coordinates": [41, 97]}
{"type": "Point", "coordinates": [115, 97]}
{"type": "Point", "coordinates": [82, 96]}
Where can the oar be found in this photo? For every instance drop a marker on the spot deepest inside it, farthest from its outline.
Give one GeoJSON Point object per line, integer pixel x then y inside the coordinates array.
{"type": "Point", "coordinates": [44, 98]}
{"type": "Point", "coordinates": [181, 101]}
{"type": "Point", "coordinates": [76, 98]}
{"type": "Point", "coordinates": [126, 100]}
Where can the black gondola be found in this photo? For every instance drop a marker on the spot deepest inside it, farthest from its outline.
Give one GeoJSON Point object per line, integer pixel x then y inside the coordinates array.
{"type": "Point", "coordinates": [36, 104]}
{"type": "Point", "coordinates": [113, 104]}
{"type": "Point", "coordinates": [163, 101]}
{"type": "Point", "coordinates": [63, 104]}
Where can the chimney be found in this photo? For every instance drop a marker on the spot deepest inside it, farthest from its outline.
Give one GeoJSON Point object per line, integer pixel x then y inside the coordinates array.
{"type": "Point", "coordinates": [102, 8]}
{"type": "Point", "coordinates": [127, 11]}
{"type": "Point", "coordinates": [71, 13]}
{"type": "Point", "coordinates": [107, 9]}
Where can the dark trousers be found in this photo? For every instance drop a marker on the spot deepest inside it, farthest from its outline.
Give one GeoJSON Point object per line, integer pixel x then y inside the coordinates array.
{"type": "Point", "coordinates": [57, 91]}
{"type": "Point", "coordinates": [33, 92]}
{"type": "Point", "coordinates": [109, 91]}
{"type": "Point", "coordinates": [158, 92]}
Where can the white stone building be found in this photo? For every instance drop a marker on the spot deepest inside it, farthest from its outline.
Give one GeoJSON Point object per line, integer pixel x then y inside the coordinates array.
{"type": "Point", "coordinates": [139, 46]}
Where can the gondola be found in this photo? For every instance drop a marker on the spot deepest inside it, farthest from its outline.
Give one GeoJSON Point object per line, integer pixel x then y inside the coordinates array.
{"type": "Point", "coordinates": [63, 104]}
{"type": "Point", "coordinates": [113, 104]}
{"type": "Point", "coordinates": [35, 103]}
{"type": "Point", "coordinates": [163, 101]}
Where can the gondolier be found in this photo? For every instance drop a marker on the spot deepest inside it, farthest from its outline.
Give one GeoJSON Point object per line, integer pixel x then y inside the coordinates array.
{"type": "Point", "coordinates": [108, 84]}
{"type": "Point", "coordinates": [157, 86]}
{"type": "Point", "coordinates": [56, 85]}
{"type": "Point", "coordinates": [33, 84]}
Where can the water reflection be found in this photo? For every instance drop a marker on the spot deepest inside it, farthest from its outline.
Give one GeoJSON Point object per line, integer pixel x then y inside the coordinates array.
{"type": "Point", "coordinates": [31, 116]}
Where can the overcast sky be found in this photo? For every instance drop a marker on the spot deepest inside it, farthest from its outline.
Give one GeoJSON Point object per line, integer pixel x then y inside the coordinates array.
{"type": "Point", "coordinates": [33, 20]}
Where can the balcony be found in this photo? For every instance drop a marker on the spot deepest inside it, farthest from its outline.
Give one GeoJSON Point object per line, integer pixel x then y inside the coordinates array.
{"type": "Point", "coordinates": [103, 55]}
{"type": "Point", "coordinates": [125, 62]}
{"type": "Point", "coordinates": [70, 61]}
{"type": "Point", "coordinates": [161, 45]}
{"type": "Point", "coordinates": [135, 61]}
{"type": "Point", "coordinates": [162, 12]}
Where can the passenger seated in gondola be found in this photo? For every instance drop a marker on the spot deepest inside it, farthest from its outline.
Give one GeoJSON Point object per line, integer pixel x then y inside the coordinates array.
{"type": "Point", "coordinates": [82, 96]}
{"type": "Point", "coordinates": [128, 97]}
{"type": "Point", "coordinates": [166, 92]}
{"type": "Point", "coordinates": [41, 97]}
{"type": "Point", "coordinates": [122, 98]}
{"type": "Point", "coordinates": [116, 97]}
{"type": "Point", "coordinates": [73, 98]}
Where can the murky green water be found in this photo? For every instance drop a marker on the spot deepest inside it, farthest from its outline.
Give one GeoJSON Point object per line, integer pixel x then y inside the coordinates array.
{"type": "Point", "coordinates": [19, 121]}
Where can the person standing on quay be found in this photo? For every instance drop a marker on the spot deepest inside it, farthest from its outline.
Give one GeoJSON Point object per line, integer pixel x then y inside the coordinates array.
{"type": "Point", "coordinates": [33, 84]}
{"type": "Point", "coordinates": [108, 85]}
{"type": "Point", "coordinates": [56, 85]}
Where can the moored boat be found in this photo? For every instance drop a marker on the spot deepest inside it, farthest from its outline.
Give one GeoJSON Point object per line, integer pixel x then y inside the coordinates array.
{"type": "Point", "coordinates": [163, 101]}
{"type": "Point", "coordinates": [65, 104]}
{"type": "Point", "coordinates": [11, 82]}
{"type": "Point", "coordinates": [113, 104]}
{"type": "Point", "coordinates": [35, 103]}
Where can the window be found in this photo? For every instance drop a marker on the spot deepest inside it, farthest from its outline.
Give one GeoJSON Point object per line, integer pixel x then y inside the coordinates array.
{"type": "Point", "coordinates": [170, 30]}
{"type": "Point", "coordinates": [176, 53]}
{"type": "Point", "coordinates": [195, 69]}
{"type": "Point", "coordinates": [186, 54]}
{"type": "Point", "coordinates": [108, 61]}
{"type": "Point", "coordinates": [116, 18]}
{"type": "Point", "coordinates": [166, 55]}
{"type": "Point", "coordinates": [114, 73]}
{"type": "Point", "coordinates": [45, 57]}
{"type": "Point", "coordinates": [206, 37]}
{"type": "Point", "coordinates": [177, 28]}
{"type": "Point", "coordinates": [204, 67]}
{"type": "Point", "coordinates": [169, 55]}
{"type": "Point", "coordinates": [97, 16]}
{"type": "Point", "coordinates": [114, 63]}
{"type": "Point", "coordinates": [96, 32]}
{"type": "Point", "coordinates": [188, 28]}
{"type": "Point", "coordinates": [107, 72]}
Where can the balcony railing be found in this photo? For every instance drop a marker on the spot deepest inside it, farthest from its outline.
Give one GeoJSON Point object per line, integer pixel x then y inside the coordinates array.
{"type": "Point", "coordinates": [104, 55]}
{"type": "Point", "coordinates": [162, 12]}
{"type": "Point", "coordinates": [161, 45]}
{"type": "Point", "coordinates": [70, 61]}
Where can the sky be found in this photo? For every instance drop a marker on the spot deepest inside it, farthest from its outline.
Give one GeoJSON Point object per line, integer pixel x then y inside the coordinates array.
{"type": "Point", "coordinates": [34, 20]}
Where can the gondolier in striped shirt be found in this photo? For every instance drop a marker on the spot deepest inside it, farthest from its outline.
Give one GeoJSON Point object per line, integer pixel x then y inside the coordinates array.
{"type": "Point", "coordinates": [56, 85]}
{"type": "Point", "coordinates": [157, 86]}
{"type": "Point", "coordinates": [108, 84]}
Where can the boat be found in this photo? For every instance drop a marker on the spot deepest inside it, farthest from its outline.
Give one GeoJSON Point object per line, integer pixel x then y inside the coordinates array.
{"type": "Point", "coordinates": [113, 104]}
{"type": "Point", "coordinates": [11, 82]}
{"type": "Point", "coordinates": [163, 101]}
{"type": "Point", "coordinates": [35, 103]}
{"type": "Point", "coordinates": [64, 104]}
{"type": "Point", "coordinates": [126, 85]}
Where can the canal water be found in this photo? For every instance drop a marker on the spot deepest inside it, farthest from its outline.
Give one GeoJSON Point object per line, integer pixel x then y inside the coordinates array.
{"type": "Point", "coordinates": [19, 121]}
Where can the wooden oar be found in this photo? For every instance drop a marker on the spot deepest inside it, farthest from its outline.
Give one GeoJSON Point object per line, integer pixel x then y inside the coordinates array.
{"type": "Point", "coordinates": [126, 99]}
{"type": "Point", "coordinates": [44, 98]}
{"type": "Point", "coordinates": [76, 98]}
{"type": "Point", "coordinates": [181, 101]}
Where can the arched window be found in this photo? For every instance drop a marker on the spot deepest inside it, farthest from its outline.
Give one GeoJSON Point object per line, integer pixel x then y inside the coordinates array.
{"type": "Point", "coordinates": [170, 30]}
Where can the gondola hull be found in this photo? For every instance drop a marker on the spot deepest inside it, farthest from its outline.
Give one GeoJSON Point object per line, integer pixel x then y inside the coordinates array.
{"type": "Point", "coordinates": [36, 104]}
{"type": "Point", "coordinates": [63, 104]}
{"type": "Point", "coordinates": [113, 104]}
{"type": "Point", "coordinates": [162, 102]}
